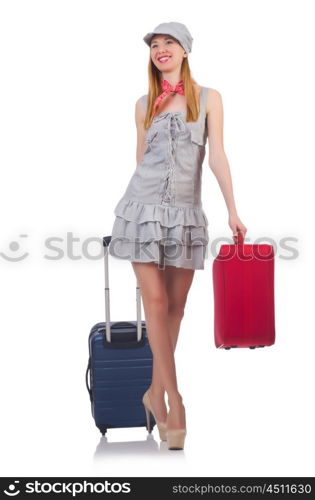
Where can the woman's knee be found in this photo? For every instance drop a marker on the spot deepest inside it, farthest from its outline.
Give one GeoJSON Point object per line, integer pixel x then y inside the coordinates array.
{"type": "Point", "coordinates": [152, 285]}
{"type": "Point", "coordinates": [157, 302]}
{"type": "Point", "coordinates": [176, 310]}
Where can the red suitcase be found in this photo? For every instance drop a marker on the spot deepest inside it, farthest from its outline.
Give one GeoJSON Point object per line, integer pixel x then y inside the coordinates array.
{"type": "Point", "coordinates": [243, 286]}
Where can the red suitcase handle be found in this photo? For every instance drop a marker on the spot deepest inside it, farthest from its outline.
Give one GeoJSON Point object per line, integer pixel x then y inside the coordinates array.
{"type": "Point", "coordinates": [238, 237]}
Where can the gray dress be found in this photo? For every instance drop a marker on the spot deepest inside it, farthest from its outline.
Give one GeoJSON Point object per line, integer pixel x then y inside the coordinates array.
{"type": "Point", "coordinates": [160, 217]}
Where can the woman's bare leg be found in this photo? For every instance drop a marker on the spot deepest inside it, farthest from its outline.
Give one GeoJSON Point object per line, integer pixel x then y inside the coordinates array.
{"type": "Point", "coordinates": [178, 282]}
{"type": "Point", "coordinates": [155, 303]}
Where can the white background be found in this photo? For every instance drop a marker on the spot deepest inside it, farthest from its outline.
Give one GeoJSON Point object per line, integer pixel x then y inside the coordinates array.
{"type": "Point", "coordinates": [71, 72]}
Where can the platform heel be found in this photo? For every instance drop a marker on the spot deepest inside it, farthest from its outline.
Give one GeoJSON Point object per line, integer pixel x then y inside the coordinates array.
{"type": "Point", "coordinates": [176, 439]}
{"type": "Point", "coordinates": [160, 425]}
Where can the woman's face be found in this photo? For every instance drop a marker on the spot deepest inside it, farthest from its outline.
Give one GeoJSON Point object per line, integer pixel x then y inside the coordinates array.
{"type": "Point", "coordinates": [166, 52]}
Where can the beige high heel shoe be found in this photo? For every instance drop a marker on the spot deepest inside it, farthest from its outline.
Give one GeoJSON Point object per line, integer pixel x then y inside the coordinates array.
{"type": "Point", "coordinates": [176, 438]}
{"type": "Point", "coordinates": [160, 425]}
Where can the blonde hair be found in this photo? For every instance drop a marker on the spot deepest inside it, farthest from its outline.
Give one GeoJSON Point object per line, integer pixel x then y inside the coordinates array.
{"type": "Point", "coordinates": [155, 89]}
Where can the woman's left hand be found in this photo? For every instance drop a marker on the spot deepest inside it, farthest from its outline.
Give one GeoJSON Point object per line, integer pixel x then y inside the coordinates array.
{"type": "Point", "coordinates": [236, 224]}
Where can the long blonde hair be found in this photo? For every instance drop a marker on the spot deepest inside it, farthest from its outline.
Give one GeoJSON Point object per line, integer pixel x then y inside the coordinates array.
{"type": "Point", "coordinates": [155, 89]}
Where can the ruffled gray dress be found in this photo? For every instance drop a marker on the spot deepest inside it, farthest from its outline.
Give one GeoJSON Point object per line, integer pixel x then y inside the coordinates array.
{"type": "Point", "coordinates": [160, 217]}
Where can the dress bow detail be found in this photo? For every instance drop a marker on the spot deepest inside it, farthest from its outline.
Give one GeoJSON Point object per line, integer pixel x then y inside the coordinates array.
{"type": "Point", "coordinates": [173, 120]}
{"type": "Point", "coordinates": [174, 126]}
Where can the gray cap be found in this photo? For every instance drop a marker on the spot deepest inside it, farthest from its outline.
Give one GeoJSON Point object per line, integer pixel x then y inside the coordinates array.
{"type": "Point", "coordinates": [177, 30]}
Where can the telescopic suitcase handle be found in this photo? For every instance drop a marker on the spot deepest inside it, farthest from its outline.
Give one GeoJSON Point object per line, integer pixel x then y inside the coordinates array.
{"type": "Point", "coordinates": [106, 242]}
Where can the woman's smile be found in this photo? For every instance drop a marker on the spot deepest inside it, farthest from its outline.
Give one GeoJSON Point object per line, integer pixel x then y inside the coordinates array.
{"type": "Point", "coordinates": [163, 59]}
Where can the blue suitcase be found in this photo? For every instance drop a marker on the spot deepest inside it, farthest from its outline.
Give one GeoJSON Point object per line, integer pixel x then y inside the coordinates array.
{"type": "Point", "coordinates": [119, 368]}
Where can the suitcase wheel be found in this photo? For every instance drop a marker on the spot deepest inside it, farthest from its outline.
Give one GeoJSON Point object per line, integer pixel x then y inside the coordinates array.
{"type": "Point", "coordinates": [252, 347]}
{"type": "Point", "coordinates": [227, 348]}
{"type": "Point", "coordinates": [103, 430]}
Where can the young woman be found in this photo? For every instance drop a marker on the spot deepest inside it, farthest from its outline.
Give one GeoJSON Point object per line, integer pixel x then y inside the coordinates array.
{"type": "Point", "coordinates": [160, 225]}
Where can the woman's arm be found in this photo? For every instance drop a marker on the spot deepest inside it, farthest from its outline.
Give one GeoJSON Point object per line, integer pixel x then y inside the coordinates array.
{"type": "Point", "coordinates": [141, 132]}
{"type": "Point", "coordinates": [218, 161]}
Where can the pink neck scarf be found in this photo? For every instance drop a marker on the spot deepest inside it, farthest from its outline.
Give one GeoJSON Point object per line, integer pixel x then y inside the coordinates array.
{"type": "Point", "coordinates": [167, 89]}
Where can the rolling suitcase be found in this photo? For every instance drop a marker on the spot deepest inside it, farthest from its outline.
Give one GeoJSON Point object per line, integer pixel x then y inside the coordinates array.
{"type": "Point", "coordinates": [119, 369]}
{"type": "Point", "coordinates": [243, 286]}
